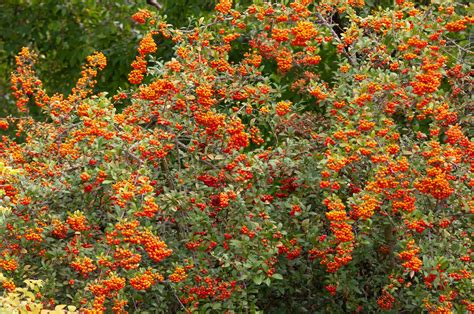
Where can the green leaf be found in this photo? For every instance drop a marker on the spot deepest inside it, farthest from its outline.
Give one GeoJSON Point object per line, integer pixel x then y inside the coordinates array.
{"type": "Point", "coordinates": [259, 279]}
{"type": "Point", "coordinates": [277, 276]}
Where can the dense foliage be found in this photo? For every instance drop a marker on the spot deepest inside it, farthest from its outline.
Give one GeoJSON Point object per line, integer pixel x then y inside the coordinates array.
{"type": "Point", "coordinates": [300, 157]}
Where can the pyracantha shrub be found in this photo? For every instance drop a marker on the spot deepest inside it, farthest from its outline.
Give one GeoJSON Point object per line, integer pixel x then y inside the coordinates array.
{"type": "Point", "coordinates": [310, 156]}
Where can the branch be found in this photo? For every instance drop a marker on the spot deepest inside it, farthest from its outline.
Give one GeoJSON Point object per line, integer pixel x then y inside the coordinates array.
{"type": "Point", "coordinates": [154, 3]}
{"type": "Point", "coordinates": [326, 23]}
{"type": "Point", "coordinates": [470, 52]}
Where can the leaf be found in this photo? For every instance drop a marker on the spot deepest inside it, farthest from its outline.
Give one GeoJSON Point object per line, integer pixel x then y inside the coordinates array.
{"type": "Point", "coordinates": [277, 276]}
{"type": "Point", "coordinates": [258, 279]}
{"type": "Point", "coordinates": [60, 307]}
{"type": "Point", "coordinates": [29, 295]}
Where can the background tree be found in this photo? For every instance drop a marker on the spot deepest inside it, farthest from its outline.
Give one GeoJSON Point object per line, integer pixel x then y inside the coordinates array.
{"type": "Point", "coordinates": [65, 32]}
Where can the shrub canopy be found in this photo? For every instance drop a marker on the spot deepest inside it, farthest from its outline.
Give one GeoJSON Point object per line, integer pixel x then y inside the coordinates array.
{"type": "Point", "coordinates": [282, 157]}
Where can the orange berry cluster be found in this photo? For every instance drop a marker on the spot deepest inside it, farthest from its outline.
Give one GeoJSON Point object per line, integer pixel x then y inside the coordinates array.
{"type": "Point", "coordinates": [83, 265]}
{"type": "Point", "coordinates": [411, 261]}
{"type": "Point", "coordinates": [77, 222]}
{"type": "Point", "coordinates": [8, 264]}
{"type": "Point", "coordinates": [141, 16]}
{"type": "Point", "coordinates": [8, 285]}
{"type": "Point", "coordinates": [157, 250]}
{"type": "Point", "coordinates": [178, 275]}
{"type": "Point", "coordinates": [145, 280]}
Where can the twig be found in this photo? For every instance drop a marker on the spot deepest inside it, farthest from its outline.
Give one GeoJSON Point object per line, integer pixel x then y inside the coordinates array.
{"type": "Point", "coordinates": [458, 46]}
{"type": "Point", "coordinates": [177, 298]}
{"type": "Point", "coordinates": [323, 20]}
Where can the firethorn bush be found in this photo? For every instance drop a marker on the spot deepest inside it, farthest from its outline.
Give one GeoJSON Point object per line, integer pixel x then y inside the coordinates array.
{"type": "Point", "coordinates": [299, 157]}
